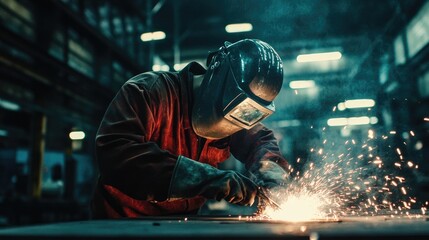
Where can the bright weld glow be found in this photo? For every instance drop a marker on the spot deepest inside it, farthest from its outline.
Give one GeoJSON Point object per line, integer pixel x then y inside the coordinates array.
{"type": "Point", "coordinates": [238, 27]}
{"type": "Point", "coordinates": [317, 57]}
{"type": "Point", "coordinates": [359, 103]}
{"type": "Point", "coordinates": [77, 135]}
{"type": "Point", "coordinates": [151, 36]}
{"type": "Point", "coordinates": [304, 206]}
{"type": "Point", "coordinates": [299, 84]}
{"type": "Point", "coordinates": [340, 182]}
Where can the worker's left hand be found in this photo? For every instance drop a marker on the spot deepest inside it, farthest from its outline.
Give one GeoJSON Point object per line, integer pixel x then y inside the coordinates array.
{"type": "Point", "coordinates": [268, 174]}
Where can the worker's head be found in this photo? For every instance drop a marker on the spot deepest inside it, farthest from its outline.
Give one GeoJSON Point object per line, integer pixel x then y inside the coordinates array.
{"type": "Point", "coordinates": [238, 88]}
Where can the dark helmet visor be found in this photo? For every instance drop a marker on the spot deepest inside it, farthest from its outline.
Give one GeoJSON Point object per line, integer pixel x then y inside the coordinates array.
{"type": "Point", "coordinates": [242, 109]}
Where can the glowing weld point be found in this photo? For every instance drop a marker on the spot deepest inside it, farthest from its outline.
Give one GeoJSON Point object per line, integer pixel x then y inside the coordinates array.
{"type": "Point", "coordinates": [302, 207]}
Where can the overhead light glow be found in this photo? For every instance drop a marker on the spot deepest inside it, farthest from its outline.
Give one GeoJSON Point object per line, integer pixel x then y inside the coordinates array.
{"type": "Point", "coordinates": [3, 133]}
{"type": "Point", "coordinates": [179, 66]}
{"type": "Point", "coordinates": [373, 120]}
{"type": "Point", "coordinates": [364, 120]}
{"type": "Point", "coordinates": [159, 67]}
{"type": "Point", "coordinates": [317, 57]}
{"type": "Point", "coordinates": [359, 103]}
{"type": "Point", "coordinates": [77, 135]}
{"type": "Point", "coordinates": [301, 84]}
{"type": "Point", "coordinates": [9, 105]}
{"type": "Point", "coordinates": [238, 27]}
{"type": "Point", "coordinates": [358, 121]}
{"type": "Point", "coordinates": [337, 122]}
{"type": "Point", "coordinates": [341, 106]}
{"type": "Point", "coordinates": [151, 36]}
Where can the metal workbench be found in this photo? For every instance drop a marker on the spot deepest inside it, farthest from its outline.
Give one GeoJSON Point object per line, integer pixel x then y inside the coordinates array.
{"type": "Point", "coordinates": [226, 228]}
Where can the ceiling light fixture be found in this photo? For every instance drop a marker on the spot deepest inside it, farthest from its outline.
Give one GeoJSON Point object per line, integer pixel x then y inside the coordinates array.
{"type": "Point", "coordinates": [299, 84]}
{"type": "Point", "coordinates": [9, 105]}
{"type": "Point", "coordinates": [77, 135]}
{"type": "Point", "coordinates": [359, 103]}
{"type": "Point", "coordinates": [317, 57]}
{"type": "Point", "coordinates": [238, 27]}
{"type": "Point", "coordinates": [364, 120]}
{"type": "Point", "coordinates": [151, 36]}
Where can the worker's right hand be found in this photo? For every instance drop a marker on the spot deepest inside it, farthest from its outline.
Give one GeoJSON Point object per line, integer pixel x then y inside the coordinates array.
{"type": "Point", "coordinates": [192, 178]}
{"type": "Point", "coordinates": [231, 186]}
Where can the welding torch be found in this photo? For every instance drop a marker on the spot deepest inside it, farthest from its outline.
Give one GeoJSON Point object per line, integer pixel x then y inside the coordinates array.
{"type": "Point", "coordinates": [262, 194]}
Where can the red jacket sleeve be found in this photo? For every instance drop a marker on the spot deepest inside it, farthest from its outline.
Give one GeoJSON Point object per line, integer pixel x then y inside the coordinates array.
{"type": "Point", "coordinates": [126, 159]}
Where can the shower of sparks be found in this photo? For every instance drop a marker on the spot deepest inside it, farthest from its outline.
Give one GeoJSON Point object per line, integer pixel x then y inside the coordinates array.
{"type": "Point", "coordinates": [349, 178]}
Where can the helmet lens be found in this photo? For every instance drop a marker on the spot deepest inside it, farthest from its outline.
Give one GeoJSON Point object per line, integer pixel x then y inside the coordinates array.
{"type": "Point", "coordinates": [247, 113]}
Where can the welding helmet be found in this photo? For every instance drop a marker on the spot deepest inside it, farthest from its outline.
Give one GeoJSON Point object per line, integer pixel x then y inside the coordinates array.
{"type": "Point", "coordinates": [238, 89]}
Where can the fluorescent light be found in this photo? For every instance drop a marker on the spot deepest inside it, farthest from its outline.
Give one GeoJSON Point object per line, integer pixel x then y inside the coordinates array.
{"type": "Point", "coordinates": [3, 133]}
{"type": "Point", "coordinates": [337, 122]}
{"type": "Point", "coordinates": [150, 36]}
{"type": "Point", "coordinates": [341, 106]}
{"type": "Point", "coordinates": [238, 27]}
{"type": "Point", "coordinates": [158, 35]}
{"type": "Point", "coordinates": [301, 84]}
{"type": "Point", "coordinates": [160, 67]}
{"type": "Point", "coordinates": [179, 66]}
{"type": "Point", "coordinates": [317, 57]}
{"type": "Point", "coordinates": [358, 121]}
{"type": "Point", "coordinates": [364, 120]}
{"type": "Point", "coordinates": [359, 103]}
{"type": "Point", "coordinates": [9, 105]}
{"type": "Point", "coordinates": [77, 135]}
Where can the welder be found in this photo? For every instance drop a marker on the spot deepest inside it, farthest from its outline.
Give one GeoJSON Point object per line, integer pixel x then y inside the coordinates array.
{"type": "Point", "coordinates": [163, 135]}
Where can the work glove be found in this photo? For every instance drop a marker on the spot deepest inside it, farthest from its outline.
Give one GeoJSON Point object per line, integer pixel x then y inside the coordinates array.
{"type": "Point", "coordinates": [271, 180]}
{"type": "Point", "coordinates": [268, 174]}
{"type": "Point", "coordinates": [192, 178]}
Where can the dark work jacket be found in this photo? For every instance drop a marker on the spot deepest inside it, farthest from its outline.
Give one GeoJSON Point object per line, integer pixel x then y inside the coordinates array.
{"type": "Point", "coordinates": [144, 130]}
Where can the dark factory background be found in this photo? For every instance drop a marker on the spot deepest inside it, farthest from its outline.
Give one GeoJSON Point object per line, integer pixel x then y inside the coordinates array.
{"type": "Point", "coordinates": [61, 63]}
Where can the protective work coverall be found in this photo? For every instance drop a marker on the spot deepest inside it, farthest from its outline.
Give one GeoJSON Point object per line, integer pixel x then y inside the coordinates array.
{"type": "Point", "coordinates": [145, 129]}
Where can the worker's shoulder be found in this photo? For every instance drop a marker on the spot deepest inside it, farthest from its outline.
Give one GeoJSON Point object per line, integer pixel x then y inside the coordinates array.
{"type": "Point", "coordinates": [152, 80]}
